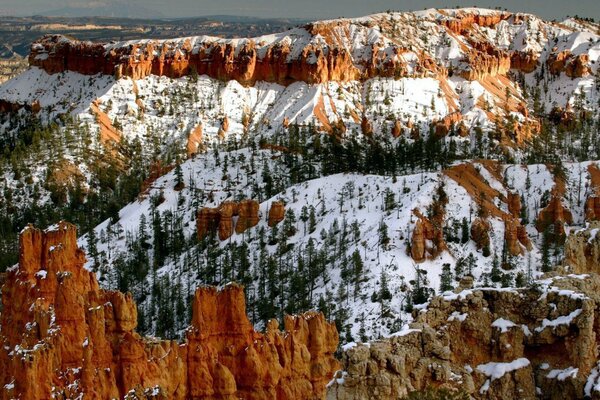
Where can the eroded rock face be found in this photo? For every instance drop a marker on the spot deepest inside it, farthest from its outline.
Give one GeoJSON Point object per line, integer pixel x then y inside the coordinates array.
{"type": "Point", "coordinates": [573, 66]}
{"type": "Point", "coordinates": [427, 240]}
{"type": "Point", "coordinates": [492, 344]}
{"type": "Point", "coordinates": [276, 213]}
{"type": "Point", "coordinates": [220, 220]}
{"type": "Point", "coordinates": [582, 250]}
{"type": "Point", "coordinates": [480, 229]}
{"type": "Point", "coordinates": [64, 337]}
{"type": "Point", "coordinates": [555, 213]}
{"type": "Point", "coordinates": [515, 236]}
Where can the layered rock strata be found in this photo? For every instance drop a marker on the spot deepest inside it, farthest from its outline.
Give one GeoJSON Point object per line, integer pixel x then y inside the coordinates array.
{"type": "Point", "coordinates": [488, 343]}
{"type": "Point", "coordinates": [64, 337]}
{"type": "Point", "coordinates": [221, 220]}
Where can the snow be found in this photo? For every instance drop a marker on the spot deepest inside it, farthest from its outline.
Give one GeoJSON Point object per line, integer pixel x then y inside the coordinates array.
{"type": "Point", "coordinates": [456, 316]}
{"type": "Point", "coordinates": [383, 100]}
{"type": "Point", "coordinates": [503, 325]}
{"type": "Point", "coordinates": [562, 320]}
{"type": "Point", "coordinates": [404, 332]}
{"type": "Point", "coordinates": [42, 274]}
{"type": "Point", "coordinates": [496, 370]}
{"type": "Point", "coordinates": [563, 374]}
{"type": "Point", "coordinates": [593, 381]}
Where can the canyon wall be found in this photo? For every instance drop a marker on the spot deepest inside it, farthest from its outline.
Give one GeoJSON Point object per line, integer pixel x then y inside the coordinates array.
{"type": "Point", "coordinates": [316, 53]}
{"type": "Point", "coordinates": [62, 332]}
{"type": "Point", "coordinates": [530, 343]}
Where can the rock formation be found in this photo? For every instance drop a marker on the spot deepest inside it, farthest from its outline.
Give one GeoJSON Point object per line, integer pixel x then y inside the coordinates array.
{"type": "Point", "coordinates": [480, 229]}
{"type": "Point", "coordinates": [515, 236]}
{"type": "Point", "coordinates": [489, 343]}
{"type": "Point", "coordinates": [221, 220]}
{"type": "Point", "coordinates": [573, 66]}
{"type": "Point", "coordinates": [447, 123]}
{"type": "Point", "coordinates": [592, 203]}
{"type": "Point", "coordinates": [64, 337]}
{"type": "Point", "coordinates": [427, 240]}
{"type": "Point", "coordinates": [247, 215]}
{"type": "Point", "coordinates": [556, 214]}
{"type": "Point", "coordinates": [514, 204]}
{"type": "Point", "coordinates": [276, 213]}
{"type": "Point", "coordinates": [582, 250]}
{"type": "Point", "coordinates": [194, 140]}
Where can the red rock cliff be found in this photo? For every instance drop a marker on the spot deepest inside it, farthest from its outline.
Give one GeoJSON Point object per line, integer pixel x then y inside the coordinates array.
{"type": "Point", "coordinates": [71, 338]}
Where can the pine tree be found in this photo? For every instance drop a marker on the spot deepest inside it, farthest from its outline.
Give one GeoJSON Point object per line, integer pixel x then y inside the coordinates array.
{"type": "Point", "coordinates": [446, 278]}
{"type": "Point", "coordinates": [384, 239]}
{"type": "Point", "coordinates": [179, 182]}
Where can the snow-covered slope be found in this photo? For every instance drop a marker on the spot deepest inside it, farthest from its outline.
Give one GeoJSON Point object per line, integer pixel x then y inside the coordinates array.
{"type": "Point", "coordinates": [349, 212]}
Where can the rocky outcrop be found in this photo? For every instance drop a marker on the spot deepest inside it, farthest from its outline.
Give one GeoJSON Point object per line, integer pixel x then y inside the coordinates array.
{"type": "Point", "coordinates": [462, 21]}
{"type": "Point", "coordinates": [447, 123]}
{"type": "Point", "coordinates": [573, 66]}
{"type": "Point", "coordinates": [247, 215]}
{"type": "Point", "coordinates": [480, 229]}
{"type": "Point", "coordinates": [491, 344]}
{"type": "Point", "coordinates": [108, 133]}
{"type": "Point", "coordinates": [64, 337]}
{"type": "Point", "coordinates": [556, 214]}
{"type": "Point", "coordinates": [194, 140]}
{"type": "Point", "coordinates": [397, 129]}
{"type": "Point", "coordinates": [582, 250]}
{"type": "Point", "coordinates": [524, 61]}
{"type": "Point", "coordinates": [515, 236]}
{"type": "Point", "coordinates": [221, 220]}
{"type": "Point", "coordinates": [514, 204]}
{"type": "Point", "coordinates": [427, 239]}
{"type": "Point", "coordinates": [276, 213]}
{"type": "Point", "coordinates": [366, 126]}
{"type": "Point", "coordinates": [592, 203]}
{"type": "Point", "coordinates": [485, 60]}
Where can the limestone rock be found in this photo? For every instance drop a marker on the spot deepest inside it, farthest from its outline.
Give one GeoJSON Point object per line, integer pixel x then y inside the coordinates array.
{"type": "Point", "coordinates": [276, 213]}
{"type": "Point", "coordinates": [582, 250]}
{"type": "Point", "coordinates": [555, 213]}
{"type": "Point", "coordinates": [480, 229]}
{"type": "Point", "coordinates": [427, 240]}
{"type": "Point", "coordinates": [491, 344]}
{"type": "Point", "coordinates": [64, 337]}
{"type": "Point", "coordinates": [221, 220]}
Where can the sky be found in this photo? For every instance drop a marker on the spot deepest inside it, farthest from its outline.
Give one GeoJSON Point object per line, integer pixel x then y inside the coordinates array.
{"type": "Point", "coordinates": [306, 9]}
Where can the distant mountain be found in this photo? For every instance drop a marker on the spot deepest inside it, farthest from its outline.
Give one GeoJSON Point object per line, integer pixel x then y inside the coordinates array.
{"type": "Point", "coordinates": [105, 9]}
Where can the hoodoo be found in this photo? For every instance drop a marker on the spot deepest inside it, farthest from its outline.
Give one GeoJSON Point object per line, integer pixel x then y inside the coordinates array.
{"type": "Point", "coordinates": [70, 338]}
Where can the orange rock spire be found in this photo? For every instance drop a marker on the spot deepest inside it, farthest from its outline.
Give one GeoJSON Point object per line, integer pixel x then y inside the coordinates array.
{"type": "Point", "coordinates": [61, 331]}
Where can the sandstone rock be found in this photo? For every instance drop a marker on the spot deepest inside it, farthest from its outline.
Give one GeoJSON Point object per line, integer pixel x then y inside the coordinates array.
{"type": "Point", "coordinates": [480, 233]}
{"type": "Point", "coordinates": [511, 237]}
{"type": "Point", "coordinates": [194, 140]}
{"type": "Point", "coordinates": [427, 240]}
{"type": "Point", "coordinates": [247, 216]}
{"type": "Point", "coordinates": [226, 212]}
{"type": "Point", "coordinates": [276, 213]}
{"type": "Point", "coordinates": [555, 213]}
{"type": "Point", "coordinates": [447, 123]}
{"type": "Point", "coordinates": [458, 341]}
{"type": "Point", "coordinates": [592, 208]}
{"type": "Point", "coordinates": [397, 129]}
{"type": "Point", "coordinates": [207, 221]}
{"type": "Point", "coordinates": [582, 250]}
{"type": "Point", "coordinates": [524, 61]}
{"type": "Point", "coordinates": [514, 204]}
{"type": "Point", "coordinates": [221, 220]}
{"type": "Point", "coordinates": [366, 126]}
{"type": "Point", "coordinates": [579, 66]}
{"type": "Point", "coordinates": [60, 331]}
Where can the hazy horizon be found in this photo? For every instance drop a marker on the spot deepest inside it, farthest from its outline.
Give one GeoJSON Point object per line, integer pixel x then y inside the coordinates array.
{"type": "Point", "coordinates": [307, 9]}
